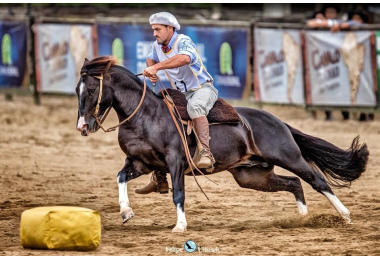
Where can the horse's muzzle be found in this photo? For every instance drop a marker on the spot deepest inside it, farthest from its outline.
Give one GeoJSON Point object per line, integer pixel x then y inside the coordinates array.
{"type": "Point", "coordinates": [84, 130]}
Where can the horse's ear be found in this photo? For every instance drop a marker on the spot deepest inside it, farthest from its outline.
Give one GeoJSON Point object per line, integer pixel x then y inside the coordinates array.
{"type": "Point", "coordinates": [86, 61]}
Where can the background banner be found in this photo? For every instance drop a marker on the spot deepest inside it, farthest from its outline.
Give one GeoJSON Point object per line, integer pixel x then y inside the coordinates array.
{"type": "Point", "coordinates": [278, 64]}
{"type": "Point", "coordinates": [13, 55]}
{"type": "Point", "coordinates": [223, 52]}
{"type": "Point", "coordinates": [339, 67]}
{"type": "Point", "coordinates": [377, 51]}
{"type": "Point", "coordinates": [60, 53]}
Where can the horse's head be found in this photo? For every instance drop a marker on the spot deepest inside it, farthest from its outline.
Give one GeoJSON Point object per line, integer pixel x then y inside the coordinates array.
{"type": "Point", "coordinates": [88, 89]}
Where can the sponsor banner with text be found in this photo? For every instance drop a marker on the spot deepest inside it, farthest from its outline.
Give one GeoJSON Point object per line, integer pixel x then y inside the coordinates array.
{"type": "Point", "coordinates": [340, 68]}
{"type": "Point", "coordinates": [223, 52]}
{"type": "Point", "coordinates": [13, 55]}
{"type": "Point", "coordinates": [60, 53]}
{"type": "Point", "coordinates": [278, 66]}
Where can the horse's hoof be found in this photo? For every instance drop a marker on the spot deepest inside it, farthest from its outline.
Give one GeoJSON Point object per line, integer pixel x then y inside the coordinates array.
{"type": "Point", "coordinates": [178, 229]}
{"type": "Point", "coordinates": [126, 215]}
{"type": "Point", "coordinates": [302, 208]}
{"type": "Point", "coordinates": [347, 218]}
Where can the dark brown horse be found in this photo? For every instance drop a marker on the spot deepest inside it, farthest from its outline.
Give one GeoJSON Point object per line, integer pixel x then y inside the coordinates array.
{"type": "Point", "coordinates": [151, 142]}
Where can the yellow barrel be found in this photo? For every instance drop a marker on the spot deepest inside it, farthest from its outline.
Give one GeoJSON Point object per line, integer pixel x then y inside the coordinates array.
{"type": "Point", "coordinates": [60, 227]}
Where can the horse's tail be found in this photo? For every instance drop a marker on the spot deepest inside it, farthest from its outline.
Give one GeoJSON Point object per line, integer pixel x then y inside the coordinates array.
{"type": "Point", "coordinates": [339, 166]}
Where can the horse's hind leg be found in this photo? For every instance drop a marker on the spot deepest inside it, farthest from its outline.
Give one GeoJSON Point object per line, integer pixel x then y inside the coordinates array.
{"type": "Point", "coordinates": [264, 179]}
{"type": "Point", "coordinates": [310, 175]}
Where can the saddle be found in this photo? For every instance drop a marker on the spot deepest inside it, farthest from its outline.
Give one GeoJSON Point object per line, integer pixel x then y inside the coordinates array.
{"type": "Point", "coordinates": [221, 113]}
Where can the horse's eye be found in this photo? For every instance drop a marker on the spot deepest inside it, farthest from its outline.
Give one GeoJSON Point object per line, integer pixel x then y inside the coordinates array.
{"type": "Point", "coordinates": [91, 91]}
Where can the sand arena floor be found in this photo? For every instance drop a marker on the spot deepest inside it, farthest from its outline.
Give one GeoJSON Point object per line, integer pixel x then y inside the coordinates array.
{"type": "Point", "coordinates": [45, 161]}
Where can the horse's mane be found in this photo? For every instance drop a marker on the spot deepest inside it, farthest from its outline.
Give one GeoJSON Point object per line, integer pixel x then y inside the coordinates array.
{"type": "Point", "coordinates": [102, 64]}
{"type": "Point", "coordinates": [99, 65]}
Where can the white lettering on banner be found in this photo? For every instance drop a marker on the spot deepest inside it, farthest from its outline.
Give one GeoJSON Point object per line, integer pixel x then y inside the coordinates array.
{"type": "Point", "coordinates": [227, 81]}
{"type": "Point", "coordinates": [324, 74]}
{"type": "Point", "coordinates": [273, 71]}
{"type": "Point", "coordinates": [143, 48]}
{"type": "Point", "coordinates": [9, 71]}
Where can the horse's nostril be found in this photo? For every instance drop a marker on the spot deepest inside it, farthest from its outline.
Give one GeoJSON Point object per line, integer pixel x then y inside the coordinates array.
{"type": "Point", "coordinates": [84, 131]}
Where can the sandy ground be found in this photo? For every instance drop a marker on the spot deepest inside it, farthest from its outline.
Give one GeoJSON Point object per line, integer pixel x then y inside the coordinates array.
{"type": "Point", "coordinates": [45, 161]}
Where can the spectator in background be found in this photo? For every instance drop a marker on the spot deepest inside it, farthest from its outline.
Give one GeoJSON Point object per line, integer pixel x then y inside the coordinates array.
{"type": "Point", "coordinates": [326, 18]}
{"type": "Point", "coordinates": [355, 19]}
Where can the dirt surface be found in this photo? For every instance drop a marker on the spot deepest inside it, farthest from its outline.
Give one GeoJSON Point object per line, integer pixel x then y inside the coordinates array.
{"type": "Point", "coordinates": [44, 161]}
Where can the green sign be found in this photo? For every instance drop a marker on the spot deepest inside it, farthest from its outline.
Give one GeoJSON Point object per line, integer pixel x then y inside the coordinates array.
{"type": "Point", "coordinates": [225, 59]}
{"type": "Point", "coordinates": [6, 49]}
{"type": "Point", "coordinates": [118, 50]}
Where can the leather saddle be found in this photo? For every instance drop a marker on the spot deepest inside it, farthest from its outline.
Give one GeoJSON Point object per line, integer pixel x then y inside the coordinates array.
{"type": "Point", "coordinates": [222, 112]}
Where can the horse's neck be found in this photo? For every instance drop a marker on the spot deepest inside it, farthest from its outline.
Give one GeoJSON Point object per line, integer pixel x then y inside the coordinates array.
{"type": "Point", "coordinates": [127, 96]}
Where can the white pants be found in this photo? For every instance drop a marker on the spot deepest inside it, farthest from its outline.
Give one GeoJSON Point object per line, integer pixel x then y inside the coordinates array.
{"type": "Point", "coordinates": [200, 101]}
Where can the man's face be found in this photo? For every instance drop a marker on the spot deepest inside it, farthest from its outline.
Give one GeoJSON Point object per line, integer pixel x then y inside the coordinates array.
{"type": "Point", "coordinates": [162, 33]}
{"type": "Point", "coordinates": [330, 13]}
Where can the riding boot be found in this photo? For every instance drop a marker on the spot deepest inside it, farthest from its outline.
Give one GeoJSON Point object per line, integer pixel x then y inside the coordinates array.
{"type": "Point", "coordinates": [158, 183]}
{"type": "Point", "coordinates": [201, 127]}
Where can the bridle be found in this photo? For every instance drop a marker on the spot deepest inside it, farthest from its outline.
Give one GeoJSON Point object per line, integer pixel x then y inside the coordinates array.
{"type": "Point", "coordinates": [98, 121]}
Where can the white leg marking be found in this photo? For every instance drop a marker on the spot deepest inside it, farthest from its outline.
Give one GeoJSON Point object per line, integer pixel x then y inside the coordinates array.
{"type": "Point", "coordinates": [181, 220]}
{"type": "Point", "coordinates": [342, 210]}
{"type": "Point", "coordinates": [125, 210]}
{"type": "Point", "coordinates": [302, 208]}
{"type": "Point", "coordinates": [123, 195]}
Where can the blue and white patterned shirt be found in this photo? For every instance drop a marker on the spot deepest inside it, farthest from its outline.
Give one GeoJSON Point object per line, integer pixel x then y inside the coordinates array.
{"type": "Point", "coordinates": [188, 77]}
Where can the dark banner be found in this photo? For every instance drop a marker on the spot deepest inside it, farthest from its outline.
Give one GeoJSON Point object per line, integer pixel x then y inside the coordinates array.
{"type": "Point", "coordinates": [13, 53]}
{"type": "Point", "coordinates": [223, 52]}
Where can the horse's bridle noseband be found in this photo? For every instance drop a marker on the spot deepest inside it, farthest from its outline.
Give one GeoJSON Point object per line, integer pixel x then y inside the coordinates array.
{"type": "Point", "coordinates": [113, 128]}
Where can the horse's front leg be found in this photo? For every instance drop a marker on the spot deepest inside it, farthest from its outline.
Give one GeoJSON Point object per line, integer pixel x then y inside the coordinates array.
{"type": "Point", "coordinates": [131, 170]}
{"type": "Point", "coordinates": [178, 181]}
{"type": "Point", "coordinates": [125, 209]}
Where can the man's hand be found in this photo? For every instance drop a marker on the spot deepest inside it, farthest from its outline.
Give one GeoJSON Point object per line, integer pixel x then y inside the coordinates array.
{"type": "Point", "coordinates": [150, 72]}
{"type": "Point", "coordinates": [154, 79]}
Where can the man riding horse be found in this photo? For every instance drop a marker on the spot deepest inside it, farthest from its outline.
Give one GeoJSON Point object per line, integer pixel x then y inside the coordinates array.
{"type": "Point", "coordinates": [176, 54]}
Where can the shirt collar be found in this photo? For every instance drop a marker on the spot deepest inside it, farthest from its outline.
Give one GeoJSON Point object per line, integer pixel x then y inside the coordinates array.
{"type": "Point", "coordinates": [172, 40]}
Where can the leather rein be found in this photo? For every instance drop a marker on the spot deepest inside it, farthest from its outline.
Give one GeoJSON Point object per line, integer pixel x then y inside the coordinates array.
{"type": "Point", "coordinates": [100, 121]}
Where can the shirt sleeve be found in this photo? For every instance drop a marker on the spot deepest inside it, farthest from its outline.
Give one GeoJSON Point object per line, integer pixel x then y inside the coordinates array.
{"type": "Point", "coordinates": [153, 55]}
{"type": "Point", "coordinates": [353, 23]}
{"type": "Point", "coordinates": [187, 47]}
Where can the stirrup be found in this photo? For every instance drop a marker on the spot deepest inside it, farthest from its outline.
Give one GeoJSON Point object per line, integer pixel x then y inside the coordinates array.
{"type": "Point", "coordinates": [206, 152]}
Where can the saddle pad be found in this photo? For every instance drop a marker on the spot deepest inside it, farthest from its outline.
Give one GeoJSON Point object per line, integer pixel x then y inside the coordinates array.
{"type": "Point", "coordinates": [60, 227]}
{"type": "Point", "coordinates": [222, 112]}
